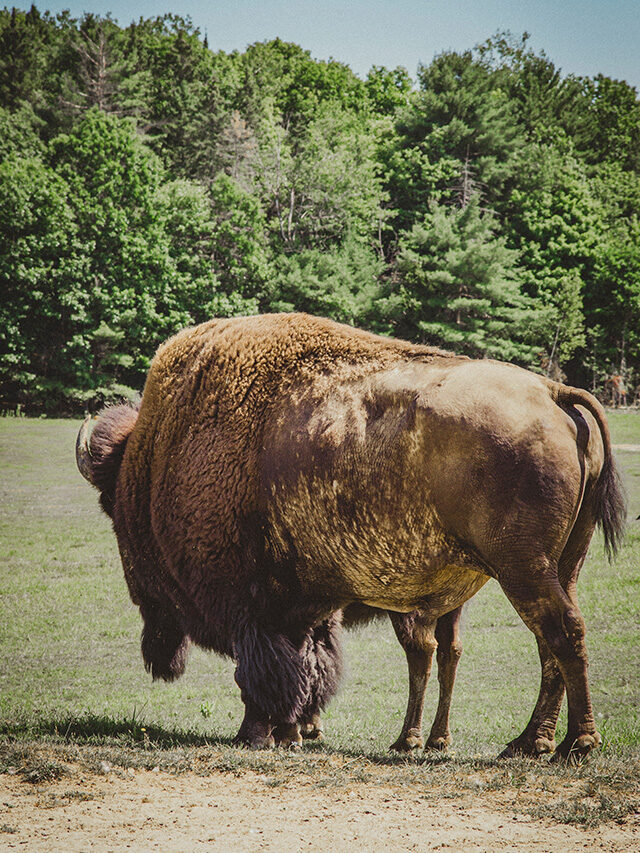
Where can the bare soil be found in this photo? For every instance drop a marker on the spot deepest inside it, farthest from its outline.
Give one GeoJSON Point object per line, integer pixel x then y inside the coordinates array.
{"type": "Point", "coordinates": [146, 810]}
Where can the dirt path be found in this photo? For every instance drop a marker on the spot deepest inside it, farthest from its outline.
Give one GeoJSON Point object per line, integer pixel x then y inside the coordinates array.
{"type": "Point", "coordinates": [155, 811]}
{"type": "Point", "coordinates": [630, 447]}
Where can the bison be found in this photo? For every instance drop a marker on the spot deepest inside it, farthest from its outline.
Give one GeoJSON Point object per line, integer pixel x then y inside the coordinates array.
{"type": "Point", "coordinates": [282, 468]}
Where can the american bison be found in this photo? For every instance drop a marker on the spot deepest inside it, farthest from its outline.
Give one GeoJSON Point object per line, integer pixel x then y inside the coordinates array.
{"type": "Point", "coordinates": [283, 467]}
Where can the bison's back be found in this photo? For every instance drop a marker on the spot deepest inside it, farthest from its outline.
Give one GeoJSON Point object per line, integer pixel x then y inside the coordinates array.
{"type": "Point", "coordinates": [411, 484]}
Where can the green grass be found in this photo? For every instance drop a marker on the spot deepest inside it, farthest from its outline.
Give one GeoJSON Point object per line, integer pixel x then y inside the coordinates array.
{"type": "Point", "coordinates": [73, 688]}
{"type": "Point", "coordinates": [624, 425]}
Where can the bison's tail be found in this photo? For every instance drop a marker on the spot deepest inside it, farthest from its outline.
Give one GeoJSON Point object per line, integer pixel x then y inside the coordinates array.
{"type": "Point", "coordinates": [610, 498]}
{"type": "Point", "coordinates": [99, 455]}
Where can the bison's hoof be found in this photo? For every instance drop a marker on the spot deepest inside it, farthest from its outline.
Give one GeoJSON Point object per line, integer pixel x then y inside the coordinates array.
{"type": "Point", "coordinates": [544, 746]}
{"type": "Point", "coordinates": [406, 743]}
{"type": "Point", "coordinates": [311, 731]}
{"type": "Point", "coordinates": [262, 742]}
{"type": "Point", "coordinates": [439, 743]}
{"type": "Point", "coordinates": [574, 749]}
{"type": "Point", "coordinates": [287, 736]}
{"type": "Point", "coordinates": [529, 747]}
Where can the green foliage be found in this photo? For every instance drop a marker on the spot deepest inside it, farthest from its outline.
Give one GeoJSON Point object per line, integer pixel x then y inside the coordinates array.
{"type": "Point", "coordinates": [343, 284]}
{"type": "Point", "coordinates": [131, 282]}
{"type": "Point", "coordinates": [461, 113]}
{"type": "Point", "coordinates": [25, 42]}
{"type": "Point", "coordinates": [297, 85]}
{"type": "Point", "coordinates": [388, 90]}
{"type": "Point", "coordinates": [148, 183]}
{"type": "Point", "coordinates": [240, 253]}
{"type": "Point", "coordinates": [19, 133]}
{"type": "Point", "coordinates": [615, 298]}
{"type": "Point", "coordinates": [42, 270]}
{"type": "Point", "coordinates": [461, 288]}
{"type": "Point", "coordinates": [555, 222]}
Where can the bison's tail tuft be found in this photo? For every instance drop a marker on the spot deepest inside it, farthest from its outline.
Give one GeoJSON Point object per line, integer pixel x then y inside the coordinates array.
{"type": "Point", "coordinates": [611, 507]}
{"type": "Point", "coordinates": [100, 455]}
{"type": "Point", "coordinates": [610, 498]}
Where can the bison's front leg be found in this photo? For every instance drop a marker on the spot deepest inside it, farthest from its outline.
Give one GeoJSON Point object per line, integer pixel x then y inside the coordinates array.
{"type": "Point", "coordinates": [287, 735]}
{"type": "Point", "coordinates": [284, 681]}
{"type": "Point", "coordinates": [255, 730]}
{"type": "Point", "coordinates": [311, 727]}
{"type": "Point", "coordinates": [417, 637]}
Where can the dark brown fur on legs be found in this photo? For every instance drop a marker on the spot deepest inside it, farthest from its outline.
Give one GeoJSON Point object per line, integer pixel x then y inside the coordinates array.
{"type": "Point", "coordinates": [291, 684]}
{"type": "Point", "coordinates": [324, 662]}
{"type": "Point", "coordinates": [255, 730]}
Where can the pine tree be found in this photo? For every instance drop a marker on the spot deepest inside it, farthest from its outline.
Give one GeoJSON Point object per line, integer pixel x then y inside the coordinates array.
{"type": "Point", "coordinates": [460, 286]}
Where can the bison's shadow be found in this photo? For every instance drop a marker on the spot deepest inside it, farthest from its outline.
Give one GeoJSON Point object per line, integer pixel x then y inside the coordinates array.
{"type": "Point", "coordinates": [134, 733]}
{"type": "Point", "coordinates": [96, 729]}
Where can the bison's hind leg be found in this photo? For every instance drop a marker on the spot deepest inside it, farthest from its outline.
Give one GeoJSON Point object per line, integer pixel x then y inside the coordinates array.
{"type": "Point", "coordinates": [539, 736]}
{"type": "Point", "coordinates": [165, 646]}
{"type": "Point", "coordinates": [554, 617]}
{"type": "Point", "coordinates": [448, 654]}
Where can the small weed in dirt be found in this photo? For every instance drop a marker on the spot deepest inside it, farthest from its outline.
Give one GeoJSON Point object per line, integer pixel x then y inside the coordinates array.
{"type": "Point", "coordinates": [53, 801]}
{"type": "Point", "coordinates": [43, 770]}
{"type": "Point", "coordinates": [586, 811]}
{"type": "Point", "coordinates": [5, 827]}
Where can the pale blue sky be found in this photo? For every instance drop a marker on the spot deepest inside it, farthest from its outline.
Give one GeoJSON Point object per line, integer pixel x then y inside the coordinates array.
{"type": "Point", "coordinates": [586, 37]}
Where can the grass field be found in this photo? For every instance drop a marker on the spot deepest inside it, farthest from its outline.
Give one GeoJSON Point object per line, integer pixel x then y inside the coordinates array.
{"type": "Point", "coordinates": [72, 681]}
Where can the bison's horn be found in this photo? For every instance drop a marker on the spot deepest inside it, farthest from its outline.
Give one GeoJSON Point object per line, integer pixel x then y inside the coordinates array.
{"type": "Point", "coordinates": [83, 453]}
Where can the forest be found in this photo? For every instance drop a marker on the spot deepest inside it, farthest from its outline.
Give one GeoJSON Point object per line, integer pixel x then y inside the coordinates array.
{"type": "Point", "coordinates": [489, 206]}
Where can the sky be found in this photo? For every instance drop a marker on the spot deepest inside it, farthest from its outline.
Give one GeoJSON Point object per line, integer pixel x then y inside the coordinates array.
{"type": "Point", "coordinates": [585, 37]}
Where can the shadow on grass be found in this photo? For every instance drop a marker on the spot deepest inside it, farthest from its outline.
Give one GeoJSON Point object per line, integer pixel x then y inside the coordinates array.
{"type": "Point", "coordinates": [137, 736]}
{"type": "Point", "coordinates": [97, 730]}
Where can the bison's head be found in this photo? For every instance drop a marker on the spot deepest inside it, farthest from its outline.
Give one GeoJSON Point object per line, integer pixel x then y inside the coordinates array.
{"type": "Point", "coordinates": [99, 453]}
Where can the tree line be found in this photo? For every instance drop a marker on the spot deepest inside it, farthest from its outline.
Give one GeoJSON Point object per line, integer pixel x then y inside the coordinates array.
{"type": "Point", "coordinates": [490, 206]}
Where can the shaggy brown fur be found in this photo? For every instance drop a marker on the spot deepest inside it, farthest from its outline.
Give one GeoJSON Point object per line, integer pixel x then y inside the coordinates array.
{"type": "Point", "coordinates": [284, 467]}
